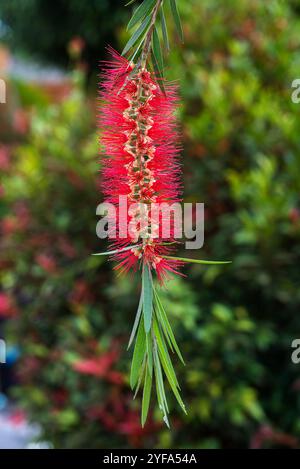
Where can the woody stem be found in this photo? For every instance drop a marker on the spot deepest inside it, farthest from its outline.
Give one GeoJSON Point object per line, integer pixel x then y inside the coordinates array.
{"type": "Point", "coordinates": [147, 44]}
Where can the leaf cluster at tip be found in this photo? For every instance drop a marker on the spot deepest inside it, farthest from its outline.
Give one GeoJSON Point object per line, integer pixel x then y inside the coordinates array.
{"type": "Point", "coordinates": [154, 340]}
{"type": "Point", "coordinates": [148, 20]}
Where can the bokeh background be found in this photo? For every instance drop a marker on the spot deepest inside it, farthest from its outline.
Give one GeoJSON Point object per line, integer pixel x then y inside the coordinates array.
{"type": "Point", "coordinates": [65, 315]}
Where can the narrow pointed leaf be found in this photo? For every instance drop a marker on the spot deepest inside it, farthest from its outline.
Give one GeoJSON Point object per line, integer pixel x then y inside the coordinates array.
{"type": "Point", "coordinates": [169, 374]}
{"type": "Point", "coordinates": [157, 51]}
{"type": "Point", "coordinates": [163, 325]}
{"type": "Point", "coordinates": [164, 28]}
{"type": "Point", "coordinates": [160, 386]}
{"type": "Point", "coordinates": [168, 327]}
{"type": "Point", "coordinates": [158, 74]}
{"type": "Point", "coordinates": [174, 388]}
{"type": "Point", "coordinates": [137, 34]}
{"type": "Point", "coordinates": [160, 400]}
{"type": "Point", "coordinates": [197, 261]}
{"type": "Point", "coordinates": [147, 297]}
{"type": "Point", "coordinates": [137, 53]}
{"type": "Point", "coordinates": [136, 321]}
{"type": "Point", "coordinates": [164, 353]}
{"type": "Point", "coordinates": [116, 251]}
{"type": "Point", "coordinates": [138, 355]}
{"type": "Point", "coordinates": [177, 20]}
{"type": "Point", "coordinates": [141, 377]}
{"type": "Point", "coordinates": [146, 395]}
{"type": "Point", "coordinates": [130, 3]}
{"type": "Point", "coordinates": [149, 352]}
{"type": "Point", "coordinates": [141, 12]}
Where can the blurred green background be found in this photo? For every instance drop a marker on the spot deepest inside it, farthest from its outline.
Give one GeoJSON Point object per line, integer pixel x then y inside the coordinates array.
{"type": "Point", "coordinates": [66, 311]}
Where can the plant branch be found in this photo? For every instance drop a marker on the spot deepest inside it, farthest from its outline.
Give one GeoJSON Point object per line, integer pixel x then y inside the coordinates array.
{"type": "Point", "coordinates": [148, 37]}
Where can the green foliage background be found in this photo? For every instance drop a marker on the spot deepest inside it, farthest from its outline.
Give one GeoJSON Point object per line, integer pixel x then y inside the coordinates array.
{"type": "Point", "coordinates": [235, 324]}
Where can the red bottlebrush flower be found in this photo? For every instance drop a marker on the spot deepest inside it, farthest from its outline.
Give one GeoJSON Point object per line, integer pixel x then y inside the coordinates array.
{"type": "Point", "coordinates": [140, 141]}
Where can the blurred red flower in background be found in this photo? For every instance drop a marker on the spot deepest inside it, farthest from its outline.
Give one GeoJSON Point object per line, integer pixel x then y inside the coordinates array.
{"type": "Point", "coordinates": [76, 46]}
{"type": "Point", "coordinates": [100, 367]}
{"type": "Point", "coordinates": [267, 434]}
{"type": "Point", "coordinates": [4, 158]}
{"type": "Point", "coordinates": [117, 416]}
{"type": "Point", "coordinates": [7, 308]}
{"type": "Point", "coordinates": [81, 293]}
{"type": "Point", "coordinates": [294, 215]}
{"type": "Point", "coordinates": [46, 262]}
{"type": "Point", "coordinates": [21, 121]}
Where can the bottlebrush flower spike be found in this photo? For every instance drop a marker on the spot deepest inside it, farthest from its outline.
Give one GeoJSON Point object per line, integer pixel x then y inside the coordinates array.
{"type": "Point", "coordinates": [139, 140]}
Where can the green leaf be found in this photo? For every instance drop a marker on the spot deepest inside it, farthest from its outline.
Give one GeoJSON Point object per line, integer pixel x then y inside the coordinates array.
{"type": "Point", "coordinates": [136, 321]}
{"type": "Point", "coordinates": [141, 12]}
{"type": "Point", "coordinates": [130, 3]}
{"type": "Point", "coordinates": [141, 377]}
{"type": "Point", "coordinates": [164, 28]}
{"type": "Point", "coordinates": [138, 354]}
{"type": "Point", "coordinates": [165, 323]}
{"type": "Point", "coordinates": [161, 396]}
{"type": "Point", "coordinates": [147, 297]}
{"type": "Point", "coordinates": [137, 34]}
{"type": "Point", "coordinates": [162, 348]}
{"type": "Point", "coordinates": [197, 261]}
{"type": "Point", "coordinates": [107, 253]}
{"type": "Point", "coordinates": [174, 389]}
{"type": "Point", "coordinates": [136, 53]}
{"type": "Point", "coordinates": [146, 395]}
{"type": "Point", "coordinates": [158, 73]}
{"type": "Point", "coordinates": [149, 352]}
{"type": "Point", "coordinates": [169, 370]}
{"type": "Point", "coordinates": [157, 51]}
{"type": "Point", "coordinates": [176, 18]}
{"type": "Point", "coordinates": [169, 243]}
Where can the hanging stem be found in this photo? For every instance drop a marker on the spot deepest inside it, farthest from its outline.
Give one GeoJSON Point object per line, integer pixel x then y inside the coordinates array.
{"type": "Point", "coordinates": [141, 63]}
{"type": "Point", "coordinates": [148, 37]}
